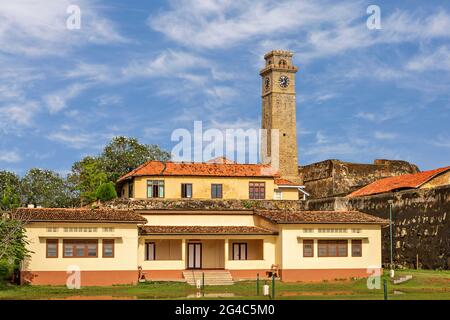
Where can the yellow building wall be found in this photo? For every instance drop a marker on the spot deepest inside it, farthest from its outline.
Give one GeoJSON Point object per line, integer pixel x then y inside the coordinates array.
{"type": "Point", "coordinates": [289, 193]}
{"type": "Point", "coordinates": [125, 244]}
{"type": "Point", "coordinates": [174, 219]}
{"type": "Point", "coordinates": [440, 180]}
{"type": "Point", "coordinates": [232, 187]}
{"type": "Point", "coordinates": [292, 247]}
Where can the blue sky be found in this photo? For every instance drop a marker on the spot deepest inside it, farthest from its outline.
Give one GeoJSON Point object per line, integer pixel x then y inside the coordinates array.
{"type": "Point", "coordinates": [145, 68]}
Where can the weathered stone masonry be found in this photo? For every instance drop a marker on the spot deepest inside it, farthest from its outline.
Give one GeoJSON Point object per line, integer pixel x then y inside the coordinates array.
{"type": "Point", "coordinates": [421, 223]}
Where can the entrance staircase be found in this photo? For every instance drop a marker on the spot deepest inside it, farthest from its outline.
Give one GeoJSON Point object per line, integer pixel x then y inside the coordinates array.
{"type": "Point", "coordinates": [212, 277]}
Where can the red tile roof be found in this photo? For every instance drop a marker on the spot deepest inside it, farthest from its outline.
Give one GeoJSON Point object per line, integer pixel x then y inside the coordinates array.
{"type": "Point", "coordinates": [169, 168]}
{"type": "Point", "coordinates": [407, 181]}
{"type": "Point", "coordinates": [205, 230]}
{"type": "Point", "coordinates": [285, 182]}
{"type": "Point", "coordinates": [321, 217]}
{"type": "Point", "coordinates": [78, 215]}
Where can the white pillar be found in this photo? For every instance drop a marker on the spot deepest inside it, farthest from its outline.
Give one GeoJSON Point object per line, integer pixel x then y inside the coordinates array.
{"type": "Point", "coordinates": [226, 253]}
{"type": "Point", "coordinates": [183, 252]}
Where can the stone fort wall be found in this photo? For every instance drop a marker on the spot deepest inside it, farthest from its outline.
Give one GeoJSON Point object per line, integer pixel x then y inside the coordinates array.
{"type": "Point", "coordinates": [421, 233]}
{"type": "Point", "coordinates": [334, 178]}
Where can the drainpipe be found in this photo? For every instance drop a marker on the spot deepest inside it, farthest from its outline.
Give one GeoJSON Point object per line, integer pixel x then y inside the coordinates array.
{"type": "Point", "coordinates": [390, 237]}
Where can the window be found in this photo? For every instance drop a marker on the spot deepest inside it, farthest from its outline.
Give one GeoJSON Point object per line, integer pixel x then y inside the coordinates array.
{"type": "Point", "coordinates": [155, 189]}
{"type": "Point", "coordinates": [278, 195]}
{"type": "Point", "coordinates": [216, 191]}
{"type": "Point", "coordinates": [257, 190]}
{"type": "Point", "coordinates": [332, 248]}
{"type": "Point", "coordinates": [130, 189]}
{"type": "Point", "coordinates": [186, 190]}
{"type": "Point", "coordinates": [52, 229]}
{"type": "Point", "coordinates": [356, 248]}
{"type": "Point", "coordinates": [79, 248]}
{"type": "Point", "coordinates": [239, 251]}
{"type": "Point", "coordinates": [80, 229]}
{"type": "Point", "coordinates": [108, 248]}
{"type": "Point", "coordinates": [150, 251]}
{"type": "Point", "coordinates": [52, 248]}
{"type": "Point", "coordinates": [308, 248]}
{"type": "Point", "coordinates": [108, 229]}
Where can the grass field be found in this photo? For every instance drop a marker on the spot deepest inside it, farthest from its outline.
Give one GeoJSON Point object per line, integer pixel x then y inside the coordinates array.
{"type": "Point", "coordinates": [426, 284]}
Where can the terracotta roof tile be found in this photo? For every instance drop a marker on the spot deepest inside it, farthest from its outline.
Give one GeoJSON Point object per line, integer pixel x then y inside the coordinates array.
{"type": "Point", "coordinates": [327, 217]}
{"type": "Point", "coordinates": [205, 230]}
{"type": "Point", "coordinates": [78, 215]}
{"type": "Point", "coordinates": [285, 182]}
{"type": "Point", "coordinates": [159, 168]}
{"type": "Point", "coordinates": [409, 181]}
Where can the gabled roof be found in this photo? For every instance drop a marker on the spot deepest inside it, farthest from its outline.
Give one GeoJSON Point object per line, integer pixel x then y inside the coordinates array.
{"type": "Point", "coordinates": [321, 217]}
{"type": "Point", "coordinates": [169, 168]}
{"type": "Point", "coordinates": [406, 181]}
{"type": "Point", "coordinates": [205, 230]}
{"type": "Point", "coordinates": [77, 215]}
{"type": "Point", "coordinates": [221, 159]}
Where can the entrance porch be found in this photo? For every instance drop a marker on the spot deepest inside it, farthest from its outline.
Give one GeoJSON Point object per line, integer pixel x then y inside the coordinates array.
{"type": "Point", "coordinates": [166, 257]}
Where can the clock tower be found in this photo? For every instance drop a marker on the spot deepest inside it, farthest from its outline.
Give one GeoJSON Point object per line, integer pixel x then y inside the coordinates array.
{"type": "Point", "coordinates": [279, 112]}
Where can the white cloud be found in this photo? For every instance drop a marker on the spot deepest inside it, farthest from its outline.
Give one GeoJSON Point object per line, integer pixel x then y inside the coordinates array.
{"type": "Point", "coordinates": [58, 100]}
{"type": "Point", "coordinates": [9, 156]}
{"type": "Point", "coordinates": [92, 73]}
{"type": "Point", "coordinates": [313, 28]}
{"type": "Point", "coordinates": [37, 28]}
{"type": "Point", "coordinates": [21, 114]}
{"type": "Point", "coordinates": [167, 63]}
{"type": "Point", "coordinates": [442, 141]}
{"type": "Point", "coordinates": [431, 61]}
{"type": "Point", "coordinates": [384, 114]}
{"type": "Point", "coordinates": [79, 140]}
{"type": "Point", "coordinates": [384, 135]}
{"type": "Point", "coordinates": [226, 23]}
{"type": "Point", "coordinates": [108, 100]}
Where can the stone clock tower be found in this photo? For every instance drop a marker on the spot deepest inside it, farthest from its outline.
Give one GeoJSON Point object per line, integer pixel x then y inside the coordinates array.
{"type": "Point", "coordinates": [279, 112]}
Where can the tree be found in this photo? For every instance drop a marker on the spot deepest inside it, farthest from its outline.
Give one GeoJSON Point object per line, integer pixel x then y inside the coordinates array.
{"type": "Point", "coordinates": [87, 175]}
{"type": "Point", "coordinates": [47, 189]}
{"type": "Point", "coordinates": [124, 154]}
{"type": "Point", "coordinates": [120, 156]}
{"type": "Point", "coordinates": [106, 191]}
{"type": "Point", "coordinates": [13, 244]}
{"type": "Point", "coordinates": [9, 199]}
{"type": "Point", "coordinates": [10, 190]}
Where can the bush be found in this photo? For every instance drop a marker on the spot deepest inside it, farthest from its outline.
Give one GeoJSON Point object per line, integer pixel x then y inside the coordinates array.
{"type": "Point", "coordinates": [106, 191]}
{"type": "Point", "coordinates": [6, 270]}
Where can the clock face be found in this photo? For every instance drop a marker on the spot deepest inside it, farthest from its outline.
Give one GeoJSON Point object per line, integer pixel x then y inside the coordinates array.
{"type": "Point", "coordinates": [283, 81]}
{"type": "Point", "coordinates": [267, 83]}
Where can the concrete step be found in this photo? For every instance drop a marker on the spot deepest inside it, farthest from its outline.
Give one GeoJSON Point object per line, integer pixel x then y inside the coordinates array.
{"type": "Point", "coordinates": [211, 277]}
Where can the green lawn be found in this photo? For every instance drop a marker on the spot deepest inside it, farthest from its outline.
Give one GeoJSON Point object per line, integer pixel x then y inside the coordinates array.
{"type": "Point", "coordinates": [426, 284]}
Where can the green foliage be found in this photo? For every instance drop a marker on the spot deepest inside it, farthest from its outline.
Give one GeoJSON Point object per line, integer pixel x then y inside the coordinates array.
{"type": "Point", "coordinates": [106, 191]}
{"type": "Point", "coordinates": [12, 245]}
{"type": "Point", "coordinates": [124, 154]}
{"type": "Point", "coordinates": [9, 199]}
{"type": "Point", "coordinates": [119, 157]}
{"type": "Point", "coordinates": [47, 189]}
{"type": "Point", "coordinates": [87, 175]}
{"type": "Point", "coordinates": [10, 190]}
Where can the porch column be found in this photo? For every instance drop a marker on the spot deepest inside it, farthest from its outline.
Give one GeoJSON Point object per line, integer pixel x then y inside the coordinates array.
{"type": "Point", "coordinates": [183, 252]}
{"type": "Point", "coordinates": [226, 253]}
